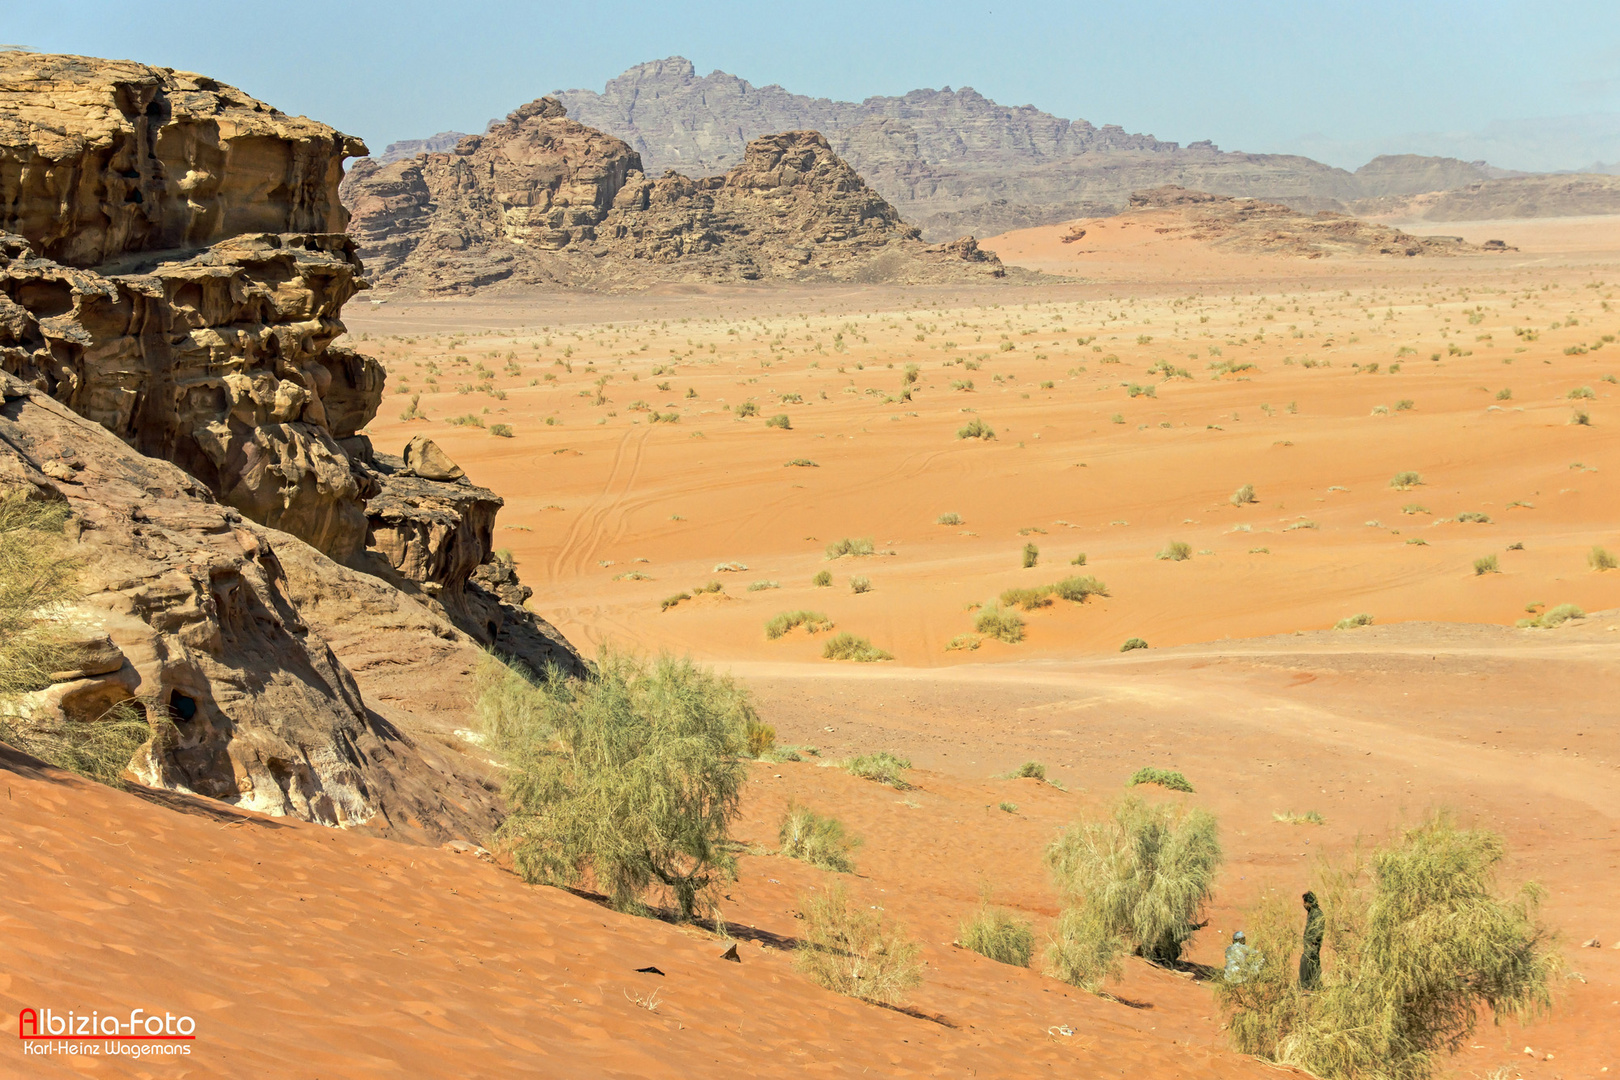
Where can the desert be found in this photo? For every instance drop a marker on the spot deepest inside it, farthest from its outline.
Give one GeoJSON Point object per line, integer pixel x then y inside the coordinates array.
{"type": "Point", "coordinates": [361, 546]}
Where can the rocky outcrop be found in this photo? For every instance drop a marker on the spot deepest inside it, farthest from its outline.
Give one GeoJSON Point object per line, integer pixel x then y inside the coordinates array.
{"type": "Point", "coordinates": [1572, 195]}
{"type": "Point", "coordinates": [953, 161]}
{"type": "Point", "coordinates": [190, 609]}
{"type": "Point", "coordinates": [541, 199]}
{"type": "Point", "coordinates": [101, 159]}
{"type": "Point", "coordinates": [404, 149]}
{"type": "Point", "coordinates": [1263, 228]}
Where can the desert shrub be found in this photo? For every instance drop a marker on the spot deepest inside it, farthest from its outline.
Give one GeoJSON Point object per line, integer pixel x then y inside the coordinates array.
{"type": "Point", "coordinates": [1581, 392]}
{"type": "Point", "coordinates": [1032, 770]}
{"type": "Point", "coordinates": [1474, 517]}
{"type": "Point", "coordinates": [963, 643]}
{"type": "Point", "coordinates": [1557, 616]}
{"type": "Point", "coordinates": [1032, 555]}
{"type": "Point", "coordinates": [1176, 551]}
{"type": "Point", "coordinates": [1028, 599]}
{"type": "Point", "coordinates": [1600, 558]}
{"type": "Point", "coordinates": [1309, 817]}
{"type": "Point", "coordinates": [633, 773]}
{"type": "Point", "coordinates": [747, 408]}
{"type": "Point", "coordinates": [812, 621]}
{"type": "Point", "coordinates": [670, 601]}
{"type": "Point", "coordinates": [1486, 564]}
{"type": "Point", "coordinates": [800, 463]}
{"type": "Point", "coordinates": [762, 586]}
{"type": "Point", "coordinates": [780, 420]}
{"type": "Point", "coordinates": [1405, 480]}
{"type": "Point", "coordinates": [759, 737]}
{"type": "Point", "coordinates": [1135, 880]}
{"type": "Point", "coordinates": [1421, 944]}
{"type": "Point", "coordinates": [975, 429]}
{"type": "Point", "coordinates": [714, 586]}
{"type": "Point", "coordinates": [998, 934]}
{"type": "Point", "coordinates": [1076, 589]}
{"type": "Point", "coordinates": [998, 622]}
{"type": "Point", "coordinates": [36, 577]}
{"type": "Point", "coordinates": [1132, 644]}
{"type": "Point", "coordinates": [1581, 418]}
{"type": "Point", "coordinates": [820, 841]}
{"type": "Point", "coordinates": [822, 580]}
{"type": "Point", "coordinates": [948, 519]}
{"type": "Point", "coordinates": [1353, 621]}
{"type": "Point", "coordinates": [848, 950]}
{"type": "Point", "coordinates": [1165, 778]}
{"type": "Point", "coordinates": [860, 584]}
{"type": "Point", "coordinates": [502, 431]}
{"type": "Point", "coordinates": [1244, 495]}
{"type": "Point", "coordinates": [1078, 560]}
{"type": "Point", "coordinates": [847, 646]}
{"type": "Point", "coordinates": [881, 766]}
{"type": "Point", "coordinates": [854, 547]}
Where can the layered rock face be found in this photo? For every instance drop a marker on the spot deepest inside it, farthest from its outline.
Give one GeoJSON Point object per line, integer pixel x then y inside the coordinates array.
{"type": "Point", "coordinates": [542, 199]}
{"type": "Point", "coordinates": [177, 278]}
{"type": "Point", "coordinates": [105, 158]}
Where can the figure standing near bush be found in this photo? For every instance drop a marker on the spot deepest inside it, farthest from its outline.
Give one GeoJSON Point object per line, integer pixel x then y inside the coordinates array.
{"type": "Point", "coordinates": [1239, 958]}
{"type": "Point", "coordinates": [1310, 961]}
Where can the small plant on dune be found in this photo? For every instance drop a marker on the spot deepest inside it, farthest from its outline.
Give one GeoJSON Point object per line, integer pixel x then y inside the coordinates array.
{"type": "Point", "coordinates": [501, 431]}
{"type": "Point", "coordinates": [1600, 559]}
{"type": "Point", "coordinates": [634, 774]}
{"type": "Point", "coordinates": [1504, 394]}
{"type": "Point", "coordinates": [963, 643]}
{"type": "Point", "coordinates": [1557, 616]}
{"type": "Point", "coordinates": [1176, 551]}
{"type": "Point", "coordinates": [711, 587]}
{"type": "Point", "coordinates": [780, 420]}
{"type": "Point", "coordinates": [1474, 517]}
{"type": "Point", "coordinates": [975, 429]}
{"type": "Point", "coordinates": [860, 584]}
{"type": "Point", "coordinates": [998, 934]}
{"type": "Point", "coordinates": [1422, 944]}
{"type": "Point", "coordinates": [1486, 564]}
{"type": "Point", "coordinates": [847, 646]}
{"type": "Point", "coordinates": [1405, 481]}
{"type": "Point", "coordinates": [414, 412]}
{"type": "Point", "coordinates": [1165, 778]}
{"type": "Point", "coordinates": [747, 408]}
{"type": "Point", "coordinates": [1137, 881]}
{"type": "Point", "coordinates": [1077, 589]}
{"type": "Point", "coordinates": [1581, 392]}
{"type": "Point", "coordinates": [1007, 807]}
{"type": "Point", "coordinates": [1244, 495]}
{"type": "Point", "coordinates": [998, 622]}
{"type": "Point", "coordinates": [881, 766]}
{"type": "Point", "coordinates": [948, 519]}
{"type": "Point", "coordinates": [761, 586]}
{"type": "Point", "coordinates": [1309, 817]}
{"type": "Point", "coordinates": [1132, 644]}
{"type": "Point", "coordinates": [812, 621]}
{"type": "Point", "coordinates": [816, 839]}
{"type": "Point", "coordinates": [854, 548]}
{"type": "Point", "coordinates": [822, 580]}
{"type": "Point", "coordinates": [1078, 560]}
{"type": "Point", "coordinates": [1032, 555]}
{"type": "Point", "coordinates": [1029, 770]}
{"type": "Point", "coordinates": [759, 737]}
{"type": "Point", "coordinates": [1028, 599]}
{"type": "Point", "coordinates": [848, 950]}
{"type": "Point", "coordinates": [800, 463]}
{"type": "Point", "coordinates": [1353, 621]}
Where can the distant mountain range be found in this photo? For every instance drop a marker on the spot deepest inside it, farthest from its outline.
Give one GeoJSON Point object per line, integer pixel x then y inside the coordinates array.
{"type": "Point", "coordinates": [954, 162]}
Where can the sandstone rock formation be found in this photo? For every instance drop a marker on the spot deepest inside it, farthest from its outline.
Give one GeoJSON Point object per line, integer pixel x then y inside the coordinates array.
{"type": "Point", "coordinates": [542, 199]}
{"type": "Point", "coordinates": [953, 161]}
{"type": "Point", "coordinates": [177, 278]}
{"type": "Point", "coordinates": [1256, 227]}
{"type": "Point", "coordinates": [1572, 195]}
{"type": "Point", "coordinates": [194, 610]}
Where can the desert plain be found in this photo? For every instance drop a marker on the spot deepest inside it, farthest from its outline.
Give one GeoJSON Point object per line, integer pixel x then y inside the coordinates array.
{"type": "Point", "coordinates": [1131, 396]}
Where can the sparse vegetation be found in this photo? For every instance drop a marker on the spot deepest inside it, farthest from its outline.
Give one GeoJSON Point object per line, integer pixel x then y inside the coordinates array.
{"type": "Point", "coordinates": [780, 420]}
{"type": "Point", "coordinates": [1032, 555]}
{"type": "Point", "coordinates": [822, 580]}
{"type": "Point", "coordinates": [633, 773]}
{"type": "Point", "coordinates": [1244, 495]}
{"type": "Point", "coordinates": [1353, 621]}
{"type": "Point", "coordinates": [813, 622]}
{"type": "Point", "coordinates": [1405, 481]}
{"type": "Point", "coordinates": [882, 766]}
{"type": "Point", "coordinates": [963, 643]}
{"type": "Point", "coordinates": [1601, 558]}
{"type": "Point", "coordinates": [1078, 560]}
{"type": "Point", "coordinates": [851, 547]}
{"type": "Point", "coordinates": [847, 950]}
{"type": "Point", "coordinates": [1165, 778]}
{"type": "Point", "coordinates": [800, 463]}
{"type": "Point", "coordinates": [1176, 551]}
{"type": "Point", "coordinates": [1557, 616]}
{"type": "Point", "coordinates": [670, 601]}
{"type": "Point", "coordinates": [948, 519]}
{"type": "Point", "coordinates": [998, 622]}
{"type": "Point", "coordinates": [1486, 564]}
{"type": "Point", "coordinates": [1309, 817]}
{"type": "Point", "coordinates": [847, 646]}
{"type": "Point", "coordinates": [818, 840]}
{"type": "Point", "coordinates": [1422, 944]}
{"type": "Point", "coordinates": [975, 429]}
{"type": "Point", "coordinates": [1131, 644]}
{"type": "Point", "coordinates": [998, 934]}
{"type": "Point", "coordinates": [1135, 880]}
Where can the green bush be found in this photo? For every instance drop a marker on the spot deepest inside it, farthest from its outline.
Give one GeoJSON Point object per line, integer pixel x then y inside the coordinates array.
{"type": "Point", "coordinates": [1132, 644]}
{"type": "Point", "coordinates": [882, 766]}
{"type": "Point", "coordinates": [1580, 393]}
{"type": "Point", "coordinates": [800, 463]}
{"type": "Point", "coordinates": [860, 584]}
{"type": "Point", "coordinates": [759, 737]}
{"type": "Point", "coordinates": [1165, 778]}
{"type": "Point", "coordinates": [1600, 558]}
{"type": "Point", "coordinates": [822, 580]}
{"type": "Point", "coordinates": [847, 646]}
{"type": "Point", "coordinates": [847, 949]}
{"type": "Point", "coordinates": [1558, 616]}
{"type": "Point", "coordinates": [998, 934]}
{"type": "Point", "coordinates": [1077, 589]}
{"type": "Point", "coordinates": [780, 420]}
{"type": "Point", "coordinates": [853, 547]}
{"type": "Point", "coordinates": [812, 621]}
{"type": "Point", "coordinates": [1244, 495]}
{"type": "Point", "coordinates": [670, 601]}
{"type": "Point", "coordinates": [36, 575]}
{"type": "Point", "coordinates": [633, 773]}
{"type": "Point", "coordinates": [1421, 943]}
{"type": "Point", "coordinates": [975, 429]}
{"type": "Point", "coordinates": [1176, 551]}
{"type": "Point", "coordinates": [1078, 560]}
{"type": "Point", "coordinates": [999, 623]}
{"type": "Point", "coordinates": [1136, 880]}
{"type": "Point", "coordinates": [820, 841]}
{"type": "Point", "coordinates": [1353, 621]}
{"type": "Point", "coordinates": [1032, 555]}
{"type": "Point", "coordinates": [1028, 599]}
{"type": "Point", "coordinates": [948, 519]}
{"type": "Point", "coordinates": [1486, 564]}
{"type": "Point", "coordinates": [747, 408]}
{"type": "Point", "coordinates": [1309, 817]}
{"type": "Point", "coordinates": [1405, 481]}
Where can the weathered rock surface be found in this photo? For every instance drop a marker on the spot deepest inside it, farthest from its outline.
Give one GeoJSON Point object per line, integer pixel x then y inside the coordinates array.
{"type": "Point", "coordinates": [106, 158]}
{"type": "Point", "coordinates": [953, 161]}
{"type": "Point", "coordinates": [221, 623]}
{"type": "Point", "coordinates": [1571, 195]}
{"type": "Point", "coordinates": [542, 199]}
{"type": "Point", "coordinates": [1250, 225]}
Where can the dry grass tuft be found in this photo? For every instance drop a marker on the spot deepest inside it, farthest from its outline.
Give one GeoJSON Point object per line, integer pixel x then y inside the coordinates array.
{"type": "Point", "coordinates": [848, 950]}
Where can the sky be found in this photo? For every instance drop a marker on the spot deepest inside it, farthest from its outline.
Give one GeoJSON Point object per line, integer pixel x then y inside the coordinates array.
{"type": "Point", "coordinates": [1532, 86]}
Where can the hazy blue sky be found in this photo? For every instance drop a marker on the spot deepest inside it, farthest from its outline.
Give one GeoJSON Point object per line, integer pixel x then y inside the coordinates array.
{"type": "Point", "coordinates": [1340, 81]}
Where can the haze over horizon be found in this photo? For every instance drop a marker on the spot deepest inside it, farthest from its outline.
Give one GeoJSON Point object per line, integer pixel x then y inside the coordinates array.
{"type": "Point", "coordinates": [1522, 86]}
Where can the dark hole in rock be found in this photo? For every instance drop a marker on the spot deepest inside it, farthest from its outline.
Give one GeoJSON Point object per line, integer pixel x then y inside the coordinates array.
{"type": "Point", "coordinates": [182, 706]}
{"type": "Point", "coordinates": [494, 629]}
